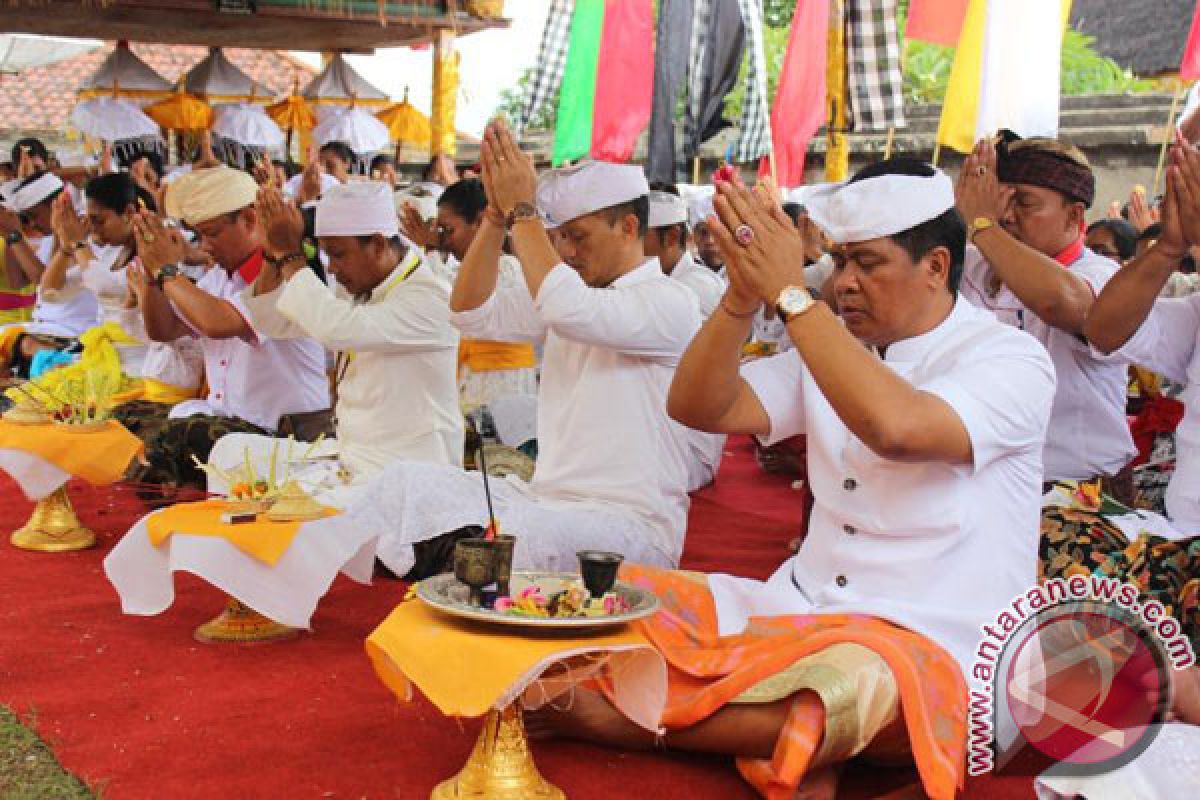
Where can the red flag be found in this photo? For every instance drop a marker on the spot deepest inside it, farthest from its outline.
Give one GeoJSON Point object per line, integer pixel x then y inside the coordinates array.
{"type": "Point", "coordinates": [624, 79]}
{"type": "Point", "coordinates": [1189, 68]}
{"type": "Point", "coordinates": [936, 21]}
{"type": "Point", "coordinates": [800, 100]}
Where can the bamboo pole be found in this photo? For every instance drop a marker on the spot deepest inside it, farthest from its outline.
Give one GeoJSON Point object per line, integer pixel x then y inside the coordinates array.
{"type": "Point", "coordinates": [837, 150]}
{"type": "Point", "coordinates": [696, 171]}
{"type": "Point", "coordinates": [1167, 139]}
{"type": "Point", "coordinates": [891, 139]}
{"type": "Point", "coordinates": [937, 152]}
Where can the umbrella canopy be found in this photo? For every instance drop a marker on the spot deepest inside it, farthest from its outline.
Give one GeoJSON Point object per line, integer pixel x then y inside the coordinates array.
{"type": "Point", "coordinates": [339, 84]}
{"type": "Point", "coordinates": [124, 74]}
{"type": "Point", "coordinates": [293, 113]}
{"type": "Point", "coordinates": [357, 128]}
{"type": "Point", "coordinates": [217, 80]}
{"type": "Point", "coordinates": [181, 112]}
{"type": "Point", "coordinates": [112, 118]}
{"type": "Point", "coordinates": [248, 124]}
{"type": "Point", "coordinates": [405, 124]}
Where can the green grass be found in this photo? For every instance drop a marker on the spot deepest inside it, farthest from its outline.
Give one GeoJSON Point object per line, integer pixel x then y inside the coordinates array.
{"type": "Point", "coordinates": [28, 770]}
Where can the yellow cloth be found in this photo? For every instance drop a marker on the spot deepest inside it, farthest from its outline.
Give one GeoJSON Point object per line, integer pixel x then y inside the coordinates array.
{"type": "Point", "coordinates": [154, 391]}
{"type": "Point", "coordinates": [486, 356]}
{"type": "Point", "coordinates": [99, 358]}
{"type": "Point", "coordinates": [263, 539]}
{"type": "Point", "coordinates": [8, 340]}
{"type": "Point", "coordinates": [13, 315]}
{"type": "Point", "coordinates": [468, 669]}
{"type": "Point", "coordinates": [99, 456]}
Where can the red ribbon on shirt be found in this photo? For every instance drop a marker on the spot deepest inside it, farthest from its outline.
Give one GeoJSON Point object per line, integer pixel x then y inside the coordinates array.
{"type": "Point", "coordinates": [1071, 254]}
{"type": "Point", "coordinates": [251, 266]}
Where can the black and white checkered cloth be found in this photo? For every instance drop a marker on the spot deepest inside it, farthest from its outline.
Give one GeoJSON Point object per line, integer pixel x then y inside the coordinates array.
{"type": "Point", "coordinates": [875, 84]}
{"type": "Point", "coordinates": [552, 59]}
{"type": "Point", "coordinates": [754, 136]}
{"type": "Point", "coordinates": [697, 79]}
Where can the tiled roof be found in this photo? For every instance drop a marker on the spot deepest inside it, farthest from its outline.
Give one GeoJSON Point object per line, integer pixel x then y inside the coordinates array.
{"type": "Point", "coordinates": [39, 99]}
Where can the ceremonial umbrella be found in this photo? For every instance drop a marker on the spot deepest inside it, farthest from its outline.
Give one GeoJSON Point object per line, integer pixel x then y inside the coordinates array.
{"type": "Point", "coordinates": [243, 127]}
{"type": "Point", "coordinates": [292, 113]}
{"type": "Point", "coordinates": [111, 119]}
{"type": "Point", "coordinates": [218, 80]}
{"type": "Point", "coordinates": [123, 74]}
{"type": "Point", "coordinates": [406, 125]}
{"type": "Point", "coordinates": [358, 129]}
{"type": "Point", "coordinates": [339, 84]}
{"type": "Point", "coordinates": [181, 112]}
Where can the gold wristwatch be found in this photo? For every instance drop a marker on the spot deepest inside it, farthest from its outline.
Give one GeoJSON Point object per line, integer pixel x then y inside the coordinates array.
{"type": "Point", "coordinates": [979, 224]}
{"type": "Point", "coordinates": [792, 302]}
{"type": "Point", "coordinates": [522, 212]}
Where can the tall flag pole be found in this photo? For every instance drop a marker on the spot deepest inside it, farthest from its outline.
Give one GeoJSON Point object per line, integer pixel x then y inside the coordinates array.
{"type": "Point", "coordinates": [837, 150]}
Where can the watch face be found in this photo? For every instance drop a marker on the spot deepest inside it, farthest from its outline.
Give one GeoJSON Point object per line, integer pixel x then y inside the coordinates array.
{"type": "Point", "coordinates": [794, 300]}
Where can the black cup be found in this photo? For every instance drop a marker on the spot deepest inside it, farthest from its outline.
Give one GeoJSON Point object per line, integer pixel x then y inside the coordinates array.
{"type": "Point", "coordinates": [598, 569]}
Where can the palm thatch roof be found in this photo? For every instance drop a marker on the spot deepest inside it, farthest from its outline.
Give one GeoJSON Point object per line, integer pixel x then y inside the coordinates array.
{"type": "Point", "coordinates": [1146, 36]}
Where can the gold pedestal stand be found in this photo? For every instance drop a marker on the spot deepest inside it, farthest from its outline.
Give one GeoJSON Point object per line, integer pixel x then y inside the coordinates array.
{"type": "Point", "coordinates": [501, 766]}
{"type": "Point", "coordinates": [240, 623]}
{"type": "Point", "coordinates": [53, 527]}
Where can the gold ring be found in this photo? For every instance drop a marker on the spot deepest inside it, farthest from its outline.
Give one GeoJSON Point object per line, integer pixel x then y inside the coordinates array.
{"type": "Point", "coordinates": [149, 238]}
{"type": "Point", "coordinates": [982, 170]}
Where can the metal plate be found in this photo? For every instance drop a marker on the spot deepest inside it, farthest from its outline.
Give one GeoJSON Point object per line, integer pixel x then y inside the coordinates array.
{"type": "Point", "coordinates": [447, 595]}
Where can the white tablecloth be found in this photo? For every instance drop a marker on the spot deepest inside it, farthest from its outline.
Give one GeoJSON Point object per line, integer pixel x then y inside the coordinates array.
{"type": "Point", "coordinates": [36, 476]}
{"type": "Point", "coordinates": [286, 592]}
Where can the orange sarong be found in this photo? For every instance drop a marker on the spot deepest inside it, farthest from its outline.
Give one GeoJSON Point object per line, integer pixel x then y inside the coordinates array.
{"type": "Point", "coordinates": [706, 671]}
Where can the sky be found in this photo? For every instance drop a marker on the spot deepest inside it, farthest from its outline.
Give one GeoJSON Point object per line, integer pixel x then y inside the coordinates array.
{"type": "Point", "coordinates": [492, 61]}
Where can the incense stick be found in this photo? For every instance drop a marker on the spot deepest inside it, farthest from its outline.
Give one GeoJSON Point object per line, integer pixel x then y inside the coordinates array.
{"type": "Point", "coordinates": [490, 533]}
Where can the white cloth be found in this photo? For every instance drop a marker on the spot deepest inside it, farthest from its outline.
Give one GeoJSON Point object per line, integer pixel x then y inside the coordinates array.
{"type": "Point", "coordinates": [108, 284]}
{"type": "Point", "coordinates": [287, 591]}
{"type": "Point", "coordinates": [398, 396]}
{"type": "Point", "coordinates": [316, 466]}
{"type": "Point", "coordinates": [292, 187]}
{"type": "Point", "coordinates": [1167, 344]}
{"type": "Point", "coordinates": [36, 192]}
{"type": "Point", "coordinates": [68, 311]}
{"type": "Point", "coordinates": [705, 284]}
{"type": "Point", "coordinates": [1168, 768]}
{"type": "Point", "coordinates": [878, 207]}
{"type": "Point", "coordinates": [411, 502]}
{"type": "Point", "coordinates": [357, 209]}
{"type": "Point", "coordinates": [205, 194]}
{"type": "Point", "coordinates": [935, 547]}
{"type": "Point", "coordinates": [604, 438]}
{"type": "Point", "coordinates": [260, 379]}
{"type": "Point", "coordinates": [1088, 435]}
{"type": "Point", "coordinates": [568, 193]}
{"type": "Point", "coordinates": [36, 476]}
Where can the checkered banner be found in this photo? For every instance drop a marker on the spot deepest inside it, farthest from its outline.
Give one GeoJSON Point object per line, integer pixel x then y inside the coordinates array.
{"type": "Point", "coordinates": [875, 84]}
{"type": "Point", "coordinates": [754, 138]}
{"type": "Point", "coordinates": [552, 59]}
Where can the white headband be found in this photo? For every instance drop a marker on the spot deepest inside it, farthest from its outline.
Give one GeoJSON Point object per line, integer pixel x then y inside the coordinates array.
{"type": "Point", "coordinates": [878, 207]}
{"type": "Point", "coordinates": [666, 209]}
{"type": "Point", "coordinates": [362, 208]}
{"type": "Point", "coordinates": [36, 192]}
{"type": "Point", "coordinates": [568, 193]}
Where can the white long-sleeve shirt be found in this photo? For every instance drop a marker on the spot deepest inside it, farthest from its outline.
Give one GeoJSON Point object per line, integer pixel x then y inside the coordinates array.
{"type": "Point", "coordinates": [398, 396]}
{"type": "Point", "coordinates": [704, 283]}
{"type": "Point", "coordinates": [604, 437]}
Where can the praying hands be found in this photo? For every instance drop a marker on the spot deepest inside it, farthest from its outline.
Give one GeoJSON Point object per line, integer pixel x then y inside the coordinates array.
{"type": "Point", "coordinates": [979, 193]}
{"type": "Point", "coordinates": [157, 244]}
{"type": "Point", "coordinates": [509, 174]}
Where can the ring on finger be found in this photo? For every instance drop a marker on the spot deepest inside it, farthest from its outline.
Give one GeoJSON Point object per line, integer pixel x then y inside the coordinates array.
{"type": "Point", "coordinates": [744, 235]}
{"type": "Point", "coordinates": [982, 170]}
{"type": "Point", "coordinates": [149, 238]}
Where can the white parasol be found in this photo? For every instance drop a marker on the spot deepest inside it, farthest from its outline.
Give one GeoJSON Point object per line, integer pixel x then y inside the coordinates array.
{"type": "Point", "coordinates": [358, 129]}
{"type": "Point", "coordinates": [111, 119]}
{"type": "Point", "coordinates": [248, 125]}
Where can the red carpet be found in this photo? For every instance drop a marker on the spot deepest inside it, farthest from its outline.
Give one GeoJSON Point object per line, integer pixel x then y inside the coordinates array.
{"type": "Point", "coordinates": [139, 710]}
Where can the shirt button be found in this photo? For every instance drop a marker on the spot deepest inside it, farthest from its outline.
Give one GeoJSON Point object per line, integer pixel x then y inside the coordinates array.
{"type": "Point", "coordinates": [224, 363]}
{"type": "Point", "coordinates": [849, 484]}
{"type": "Point", "coordinates": [849, 529]}
{"type": "Point", "coordinates": [841, 581]}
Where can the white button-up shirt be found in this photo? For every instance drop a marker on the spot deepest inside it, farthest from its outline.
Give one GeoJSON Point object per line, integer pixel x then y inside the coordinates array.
{"type": "Point", "coordinates": [1088, 435]}
{"type": "Point", "coordinates": [939, 548]}
{"type": "Point", "coordinates": [398, 396]}
{"type": "Point", "coordinates": [604, 438]}
{"type": "Point", "coordinates": [258, 379]}
{"type": "Point", "coordinates": [704, 283]}
{"type": "Point", "coordinates": [1169, 343]}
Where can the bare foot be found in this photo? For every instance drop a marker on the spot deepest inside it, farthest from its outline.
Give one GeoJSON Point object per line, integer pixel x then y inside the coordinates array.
{"type": "Point", "coordinates": [589, 717]}
{"type": "Point", "coordinates": [821, 784]}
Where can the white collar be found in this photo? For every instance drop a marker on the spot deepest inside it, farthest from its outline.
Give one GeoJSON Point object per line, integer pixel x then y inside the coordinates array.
{"type": "Point", "coordinates": [915, 348]}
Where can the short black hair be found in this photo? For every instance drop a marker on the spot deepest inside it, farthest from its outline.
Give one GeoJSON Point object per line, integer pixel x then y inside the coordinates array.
{"type": "Point", "coordinates": [35, 147]}
{"type": "Point", "coordinates": [395, 242]}
{"type": "Point", "coordinates": [663, 186]}
{"type": "Point", "coordinates": [380, 161]}
{"type": "Point", "coordinates": [1125, 236]}
{"type": "Point", "coordinates": [115, 191]}
{"type": "Point", "coordinates": [638, 207]}
{"type": "Point", "coordinates": [1152, 232]}
{"type": "Point", "coordinates": [793, 210]}
{"type": "Point", "coordinates": [945, 230]}
{"type": "Point", "coordinates": [466, 198]}
{"type": "Point", "coordinates": [341, 150]}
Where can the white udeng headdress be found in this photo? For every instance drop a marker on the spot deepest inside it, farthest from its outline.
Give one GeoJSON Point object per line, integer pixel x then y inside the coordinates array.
{"type": "Point", "coordinates": [882, 206]}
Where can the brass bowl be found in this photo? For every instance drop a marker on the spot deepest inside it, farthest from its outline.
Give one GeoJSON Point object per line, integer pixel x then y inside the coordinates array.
{"type": "Point", "coordinates": [475, 566]}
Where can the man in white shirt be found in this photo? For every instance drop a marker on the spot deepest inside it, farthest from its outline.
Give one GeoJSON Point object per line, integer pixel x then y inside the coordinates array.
{"type": "Point", "coordinates": [253, 380]}
{"type": "Point", "coordinates": [329, 168]}
{"type": "Point", "coordinates": [611, 471]}
{"type": "Point", "coordinates": [388, 320]}
{"type": "Point", "coordinates": [924, 451]}
{"type": "Point", "coordinates": [1024, 202]}
{"type": "Point", "coordinates": [667, 240]}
